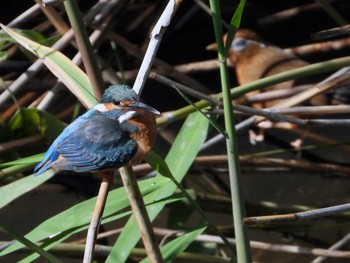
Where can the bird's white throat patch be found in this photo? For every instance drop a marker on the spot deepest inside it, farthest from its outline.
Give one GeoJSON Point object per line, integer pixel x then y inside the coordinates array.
{"type": "Point", "coordinates": [101, 107]}
{"type": "Point", "coordinates": [122, 118]}
{"type": "Point", "coordinates": [126, 116]}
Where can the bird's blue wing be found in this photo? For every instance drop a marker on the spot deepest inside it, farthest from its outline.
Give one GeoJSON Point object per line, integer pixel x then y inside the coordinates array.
{"type": "Point", "coordinates": [52, 154]}
{"type": "Point", "coordinates": [90, 143]}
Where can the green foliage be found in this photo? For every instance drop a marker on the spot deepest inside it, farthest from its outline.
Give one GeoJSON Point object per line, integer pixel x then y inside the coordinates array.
{"type": "Point", "coordinates": [71, 75]}
{"type": "Point", "coordinates": [12, 191]}
{"type": "Point", "coordinates": [28, 122]}
{"type": "Point", "coordinates": [29, 244]}
{"type": "Point", "coordinates": [157, 191]}
{"type": "Point", "coordinates": [30, 34]}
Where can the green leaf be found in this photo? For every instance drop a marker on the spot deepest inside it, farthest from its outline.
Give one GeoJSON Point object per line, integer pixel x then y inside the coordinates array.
{"type": "Point", "coordinates": [13, 190]}
{"type": "Point", "coordinates": [172, 249]}
{"type": "Point", "coordinates": [29, 244]}
{"type": "Point", "coordinates": [158, 164]}
{"type": "Point", "coordinates": [20, 165]}
{"type": "Point", "coordinates": [234, 25]}
{"type": "Point", "coordinates": [71, 75]}
{"type": "Point", "coordinates": [77, 218]}
{"type": "Point", "coordinates": [179, 159]}
{"type": "Point", "coordinates": [27, 122]}
{"type": "Point", "coordinates": [24, 161]}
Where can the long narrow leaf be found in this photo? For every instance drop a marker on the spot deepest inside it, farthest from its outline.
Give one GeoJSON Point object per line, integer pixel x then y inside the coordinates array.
{"type": "Point", "coordinates": [234, 25]}
{"type": "Point", "coordinates": [13, 190]}
{"type": "Point", "coordinates": [23, 161]}
{"type": "Point", "coordinates": [29, 244]}
{"type": "Point", "coordinates": [63, 68]}
{"type": "Point", "coordinates": [51, 242]}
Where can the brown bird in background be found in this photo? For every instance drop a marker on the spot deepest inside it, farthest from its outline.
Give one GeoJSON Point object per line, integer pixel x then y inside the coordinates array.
{"type": "Point", "coordinates": [253, 59]}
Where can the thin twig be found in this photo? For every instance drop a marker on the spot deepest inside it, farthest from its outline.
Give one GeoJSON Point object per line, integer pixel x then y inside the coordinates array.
{"type": "Point", "coordinates": [342, 242]}
{"type": "Point", "coordinates": [182, 87]}
{"type": "Point", "coordinates": [278, 117]}
{"type": "Point", "coordinates": [314, 110]}
{"type": "Point", "coordinates": [343, 30]}
{"type": "Point", "coordinates": [95, 220]}
{"type": "Point", "coordinates": [264, 246]}
{"type": "Point", "coordinates": [297, 217]}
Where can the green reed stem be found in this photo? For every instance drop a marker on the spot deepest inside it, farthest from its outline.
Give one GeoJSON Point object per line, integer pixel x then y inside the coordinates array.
{"type": "Point", "coordinates": [238, 205]}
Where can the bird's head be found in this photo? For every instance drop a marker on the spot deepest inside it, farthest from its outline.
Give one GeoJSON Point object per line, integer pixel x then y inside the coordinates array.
{"type": "Point", "coordinates": [245, 44]}
{"type": "Point", "coordinates": [123, 99]}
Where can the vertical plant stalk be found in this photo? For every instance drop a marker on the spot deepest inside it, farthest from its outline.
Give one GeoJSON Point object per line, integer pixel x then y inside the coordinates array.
{"type": "Point", "coordinates": [238, 205]}
{"type": "Point", "coordinates": [96, 220]}
{"type": "Point", "coordinates": [140, 213]}
{"type": "Point", "coordinates": [85, 47]}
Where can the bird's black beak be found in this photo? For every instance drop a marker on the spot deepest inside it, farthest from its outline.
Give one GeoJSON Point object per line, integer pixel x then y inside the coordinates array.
{"type": "Point", "coordinates": [139, 106]}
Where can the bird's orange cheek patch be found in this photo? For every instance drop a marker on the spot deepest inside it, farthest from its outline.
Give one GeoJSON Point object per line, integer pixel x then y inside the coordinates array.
{"type": "Point", "coordinates": [109, 106]}
{"type": "Point", "coordinates": [127, 102]}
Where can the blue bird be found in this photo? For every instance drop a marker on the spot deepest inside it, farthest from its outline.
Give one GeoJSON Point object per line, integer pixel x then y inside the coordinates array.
{"type": "Point", "coordinates": [116, 131]}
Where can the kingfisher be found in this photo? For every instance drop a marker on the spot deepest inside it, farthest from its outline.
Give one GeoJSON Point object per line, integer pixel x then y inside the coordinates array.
{"type": "Point", "coordinates": [118, 130]}
{"type": "Point", "coordinates": [254, 58]}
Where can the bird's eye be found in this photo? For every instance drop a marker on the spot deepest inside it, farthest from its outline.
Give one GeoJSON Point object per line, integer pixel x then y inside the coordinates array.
{"type": "Point", "coordinates": [239, 44]}
{"type": "Point", "coordinates": [116, 102]}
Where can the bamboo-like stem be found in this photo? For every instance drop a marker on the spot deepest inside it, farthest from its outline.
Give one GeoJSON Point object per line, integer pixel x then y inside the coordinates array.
{"type": "Point", "coordinates": [95, 220]}
{"type": "Point", "coordinates": [298, 217]}
{"type": "Point", "coordinates": [238, 206]}
{"type": "Point", "coordinates": [85, 47]}
{"type": "Point", "coordinates": [140, 213]}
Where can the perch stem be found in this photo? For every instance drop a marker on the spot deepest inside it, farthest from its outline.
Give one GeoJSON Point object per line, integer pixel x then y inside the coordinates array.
{"type": "Point", "coordinates": [96, 220]}
{"type": "Point", "coordinates": [140, 213]}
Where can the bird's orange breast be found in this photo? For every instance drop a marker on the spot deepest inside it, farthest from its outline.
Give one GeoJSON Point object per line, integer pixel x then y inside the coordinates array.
{"type": "Point", "coordinates": [145, 137]}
